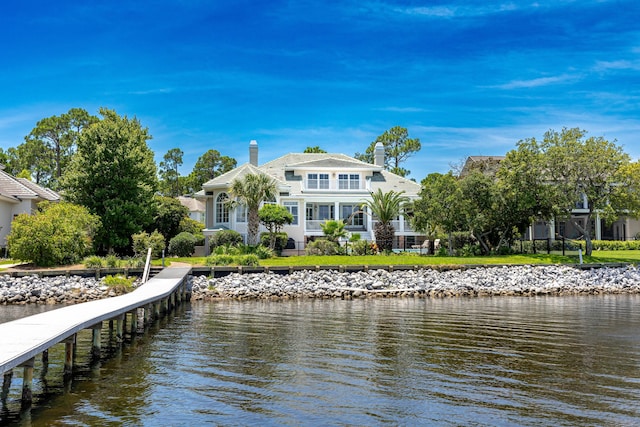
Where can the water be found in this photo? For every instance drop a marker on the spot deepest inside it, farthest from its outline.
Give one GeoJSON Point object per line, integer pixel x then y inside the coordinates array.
{"type": "Point", "coordinates": [487, 361]}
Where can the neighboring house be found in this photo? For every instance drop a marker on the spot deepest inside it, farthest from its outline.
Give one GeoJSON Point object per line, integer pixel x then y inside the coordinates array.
{"type": "Point", "coordinates": [195, 206]}
{"type": "Point", "coordinates": [624, 228]}
{"type": "Point", "coordinates": [314, 187]}
{"type": "Point", "coordinates": [17, 196]}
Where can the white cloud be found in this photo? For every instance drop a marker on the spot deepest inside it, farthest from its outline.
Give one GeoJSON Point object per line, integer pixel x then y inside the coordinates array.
{"type": "Point", "coordinates": [538, 82]}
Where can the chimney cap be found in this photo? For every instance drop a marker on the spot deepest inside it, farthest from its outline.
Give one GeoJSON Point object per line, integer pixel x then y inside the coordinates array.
{"type": "Point", "coordinates": [253, 142]}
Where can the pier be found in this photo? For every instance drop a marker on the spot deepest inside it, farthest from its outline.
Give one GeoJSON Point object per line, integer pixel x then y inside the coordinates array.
{"type": "Point", "coordinates": [22, 340]}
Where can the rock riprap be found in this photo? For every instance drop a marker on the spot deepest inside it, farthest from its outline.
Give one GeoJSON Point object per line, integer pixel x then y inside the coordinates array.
{"type": "Point", "coordinates": [493, 281]}
{"type": "Point", "coordinates": [472, 282]}
{"type": "Point", "coordinates": [51, 290]}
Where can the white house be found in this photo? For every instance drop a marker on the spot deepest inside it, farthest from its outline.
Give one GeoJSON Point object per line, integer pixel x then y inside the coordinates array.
{"type": "Point", "coordinates": [195, 206]}
{"type": "Point", "coordinates": [19, 195]}
{"type": "Point", "coordinates": [314, 187]}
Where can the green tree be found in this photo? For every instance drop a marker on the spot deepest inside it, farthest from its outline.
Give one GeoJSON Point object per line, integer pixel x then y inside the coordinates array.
{"type": "Point", "coordinates": [169, 174]}
{"type": "Point", "coordinates": [315, 149]}
{"type": "Point", "coordinates": [55, 139]}
{"type": "Point", "coordinates": [36, 157]}
{"type": "Point", "coordinates": [141, 242]}
{"type": "Point", "coordinates": [385, 207]}
{"type": "Point", "coordinates": [398, 147]}
{"type": "Point", "coordinates": [478, 210]}
{"type": "Point", "coordinates": [252, 190]}
{"type": "Point", "coordinates": [167, 216]}
{"type": "Point", "coordinates": [113, 174]}
{"type": "Point", "coordinates": [274, 217]}
{"type": "Point", "coordinates": [56, 234]}
{"type": "Point", "coordinates": [208, 166]}
{"type": "Point", "coordinates": [573, 166]}
{"type": "Point", "coordinates": [439, 205]}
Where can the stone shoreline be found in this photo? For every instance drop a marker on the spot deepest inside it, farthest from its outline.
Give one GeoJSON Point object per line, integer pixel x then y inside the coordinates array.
{"type": "Point", "coordinates": [473, 282]}
{"type": "Point", "coordinates": [429, 283]}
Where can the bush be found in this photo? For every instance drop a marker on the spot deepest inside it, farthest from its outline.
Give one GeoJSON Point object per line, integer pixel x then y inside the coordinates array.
{"type": "Point", "coordinates": [56, 234]}
{"type": "Point", "coordinates": [322, 247]}
{"type": "Point", "coordinates": [243, 260]}
{"type": "Point", "coordinates": [281, 240]}
{"type": "Point", "coordinates": [119, 283]}
{"type": "Point", "coordinates": [134, 262]}
{"type": "Point", "coordinates": [93, 262]}
{"type": "Point", "coordinates": [182, 245]}
{"type": "Point", "coordinates": [225, 238]}
{"type": "Point", "coordinates": [194, 227]}
{"type": "Point", "coordinates": [112, 261]}
{"type": "Point", "coordinates": [360, 247]}
{"type": "Point", "coordinates": [142, 241]}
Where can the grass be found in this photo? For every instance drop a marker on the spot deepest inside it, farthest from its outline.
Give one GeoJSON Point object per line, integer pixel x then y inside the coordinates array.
{"type": "Point", "coordinates": [598, 257]}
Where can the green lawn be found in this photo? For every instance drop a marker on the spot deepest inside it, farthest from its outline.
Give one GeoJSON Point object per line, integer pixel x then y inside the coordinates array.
{"type": "Point", "coordinates": [414, 259]}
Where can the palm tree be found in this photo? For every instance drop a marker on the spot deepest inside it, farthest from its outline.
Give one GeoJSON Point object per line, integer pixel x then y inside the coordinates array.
{"type": "Point", "coordinates": [251, 190]}
{"type": "Point", "coordinates": [385, 207]}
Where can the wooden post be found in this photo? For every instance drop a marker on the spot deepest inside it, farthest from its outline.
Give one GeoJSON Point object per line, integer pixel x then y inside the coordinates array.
{"type": "Point", "coordinates": [96, 341]}
{"type": "Point", "coordinates": [134, 322]}
{"type": "Point", "coordinates": [45, 358]}
{"type": "Point", "coordinates": [120, 327]}
{"type": "Point", "coordinates": [6, 386]}
{"type": "Point", "coordinates": [69, 345]}
{"type": "Point", "coordinates": [156, 310]}
{"type": "Point", "coordinates": [27, 382]}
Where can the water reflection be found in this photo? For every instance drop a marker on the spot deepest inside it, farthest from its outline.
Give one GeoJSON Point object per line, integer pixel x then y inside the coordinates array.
{"type": "Point", "coordinates": [487, 361]}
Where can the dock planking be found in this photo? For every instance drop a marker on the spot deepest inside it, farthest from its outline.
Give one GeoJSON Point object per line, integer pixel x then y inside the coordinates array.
{"type": "Point", "coordinates": [23, 339]}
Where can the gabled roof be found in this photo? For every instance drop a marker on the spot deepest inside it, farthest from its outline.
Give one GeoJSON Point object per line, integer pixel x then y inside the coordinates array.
{"type": "Point", "coordinates": [282, 170]}
{"type": "Point", "coordinates": [192, 204]}
{"type": "Point", "coordinates": [226, 178]}
{"type": "Point", "coordinates": [17, 189]}
{"type": "Point", "coordinates": [485, 164]}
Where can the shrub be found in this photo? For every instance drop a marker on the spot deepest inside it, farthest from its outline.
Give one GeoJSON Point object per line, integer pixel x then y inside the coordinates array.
{"type": "Point", "coordinates": [112, 261]}
{"type": "Point", "coordinates": [263, 252]}
{"type": "Point", "coordinates": [142, 241]}
{"type": "Point", "coordinates": [134, 262]}
{"type": "Point", "coordinates": [119, 283]}
{"type": "Point", "coordinates": [360, 247]}
{"type": "Point", "coordinates": [93, 262]}
{"type": "Point", "coordinates": [56, 234]}
{"type": "Point", "coordinates": [182, 245]}
{"type": "Point", "coordinates": [281, 240]}
{"type": "Point", "coordinates": [322, 247]}
{"type": "Point", "coordinates": [226, 238]}
{"type": "Point", "coordinates": [213, 260]}
{"type": "Point", "coordinates": [244, 260]}
{"type": "Point", "coordinates": [194, 227]}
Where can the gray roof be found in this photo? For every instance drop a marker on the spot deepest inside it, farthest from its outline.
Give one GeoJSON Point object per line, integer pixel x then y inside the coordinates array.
{"type": "Point", "coordinates": [280, 170]}
{"type": "Point", "coordinates": [20, 188]}
{"type": "Point", "coordinates": [192, 204]}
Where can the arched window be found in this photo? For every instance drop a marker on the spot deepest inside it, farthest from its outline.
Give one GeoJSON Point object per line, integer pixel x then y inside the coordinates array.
{"type": "Point", "coordinates": [222, 208]}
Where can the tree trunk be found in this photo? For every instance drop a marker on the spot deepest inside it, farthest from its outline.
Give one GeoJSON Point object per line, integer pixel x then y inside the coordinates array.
{"type": "Point", "coordinates": [252, 227]}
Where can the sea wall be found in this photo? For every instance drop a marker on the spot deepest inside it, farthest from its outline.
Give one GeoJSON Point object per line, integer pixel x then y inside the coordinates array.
{"type": "Point", "coordinates": [469, 282]}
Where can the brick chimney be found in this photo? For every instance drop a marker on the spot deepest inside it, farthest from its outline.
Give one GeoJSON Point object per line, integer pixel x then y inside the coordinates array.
{"type": "Point", "coordinates": [253, 152]}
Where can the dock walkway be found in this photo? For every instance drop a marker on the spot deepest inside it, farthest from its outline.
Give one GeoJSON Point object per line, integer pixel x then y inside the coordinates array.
{"type": "Point", "coordinates": [23, 339]}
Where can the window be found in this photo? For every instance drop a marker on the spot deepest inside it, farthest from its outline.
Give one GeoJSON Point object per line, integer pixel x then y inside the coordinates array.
{"type": "Point", "coordinates": [348, 181]}
{"type": "Point", "coordinates": [222, 208]}
{"type": "Point", "coordinates": [292, 207]}
{"type": "Point", "coordinates": [312, 180]}
{"type": "Point", "coordinates": [347, 211]}
{"type": "Point", "coordinates": [325, 212]}
{"type": "Point", "coordinates": [241, 213]}
{"type": "Point", "coordinates": [324, 181]}
{"type": "Point", "coordinates": [318, 181]}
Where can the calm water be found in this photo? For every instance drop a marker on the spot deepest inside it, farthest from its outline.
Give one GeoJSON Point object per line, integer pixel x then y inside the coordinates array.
{"type": "Point", "coordinates": [488, 361]}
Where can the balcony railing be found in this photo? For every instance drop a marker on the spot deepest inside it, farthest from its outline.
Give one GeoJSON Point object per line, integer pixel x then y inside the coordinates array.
{"type": "Point", "coordinates": [314, 225]}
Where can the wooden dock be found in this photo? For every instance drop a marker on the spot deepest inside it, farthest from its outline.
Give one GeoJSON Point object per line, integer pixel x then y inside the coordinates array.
{"type": "Point", "coordinates": [23, 339]}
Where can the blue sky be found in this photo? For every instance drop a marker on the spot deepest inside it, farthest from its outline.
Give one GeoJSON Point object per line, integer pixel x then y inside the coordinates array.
{"type": "Point", "coordinates": [466, 77]}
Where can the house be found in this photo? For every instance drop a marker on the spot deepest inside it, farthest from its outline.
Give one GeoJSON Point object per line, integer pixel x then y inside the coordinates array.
{"type": "Point", "coordinates": [313, 187]}
{"type": "Point", "coordinates": [17, 196]}
{"type": "Point", "coordinates": [195, 206]}
{"type": "Point", "coordinates": [624, 228]}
